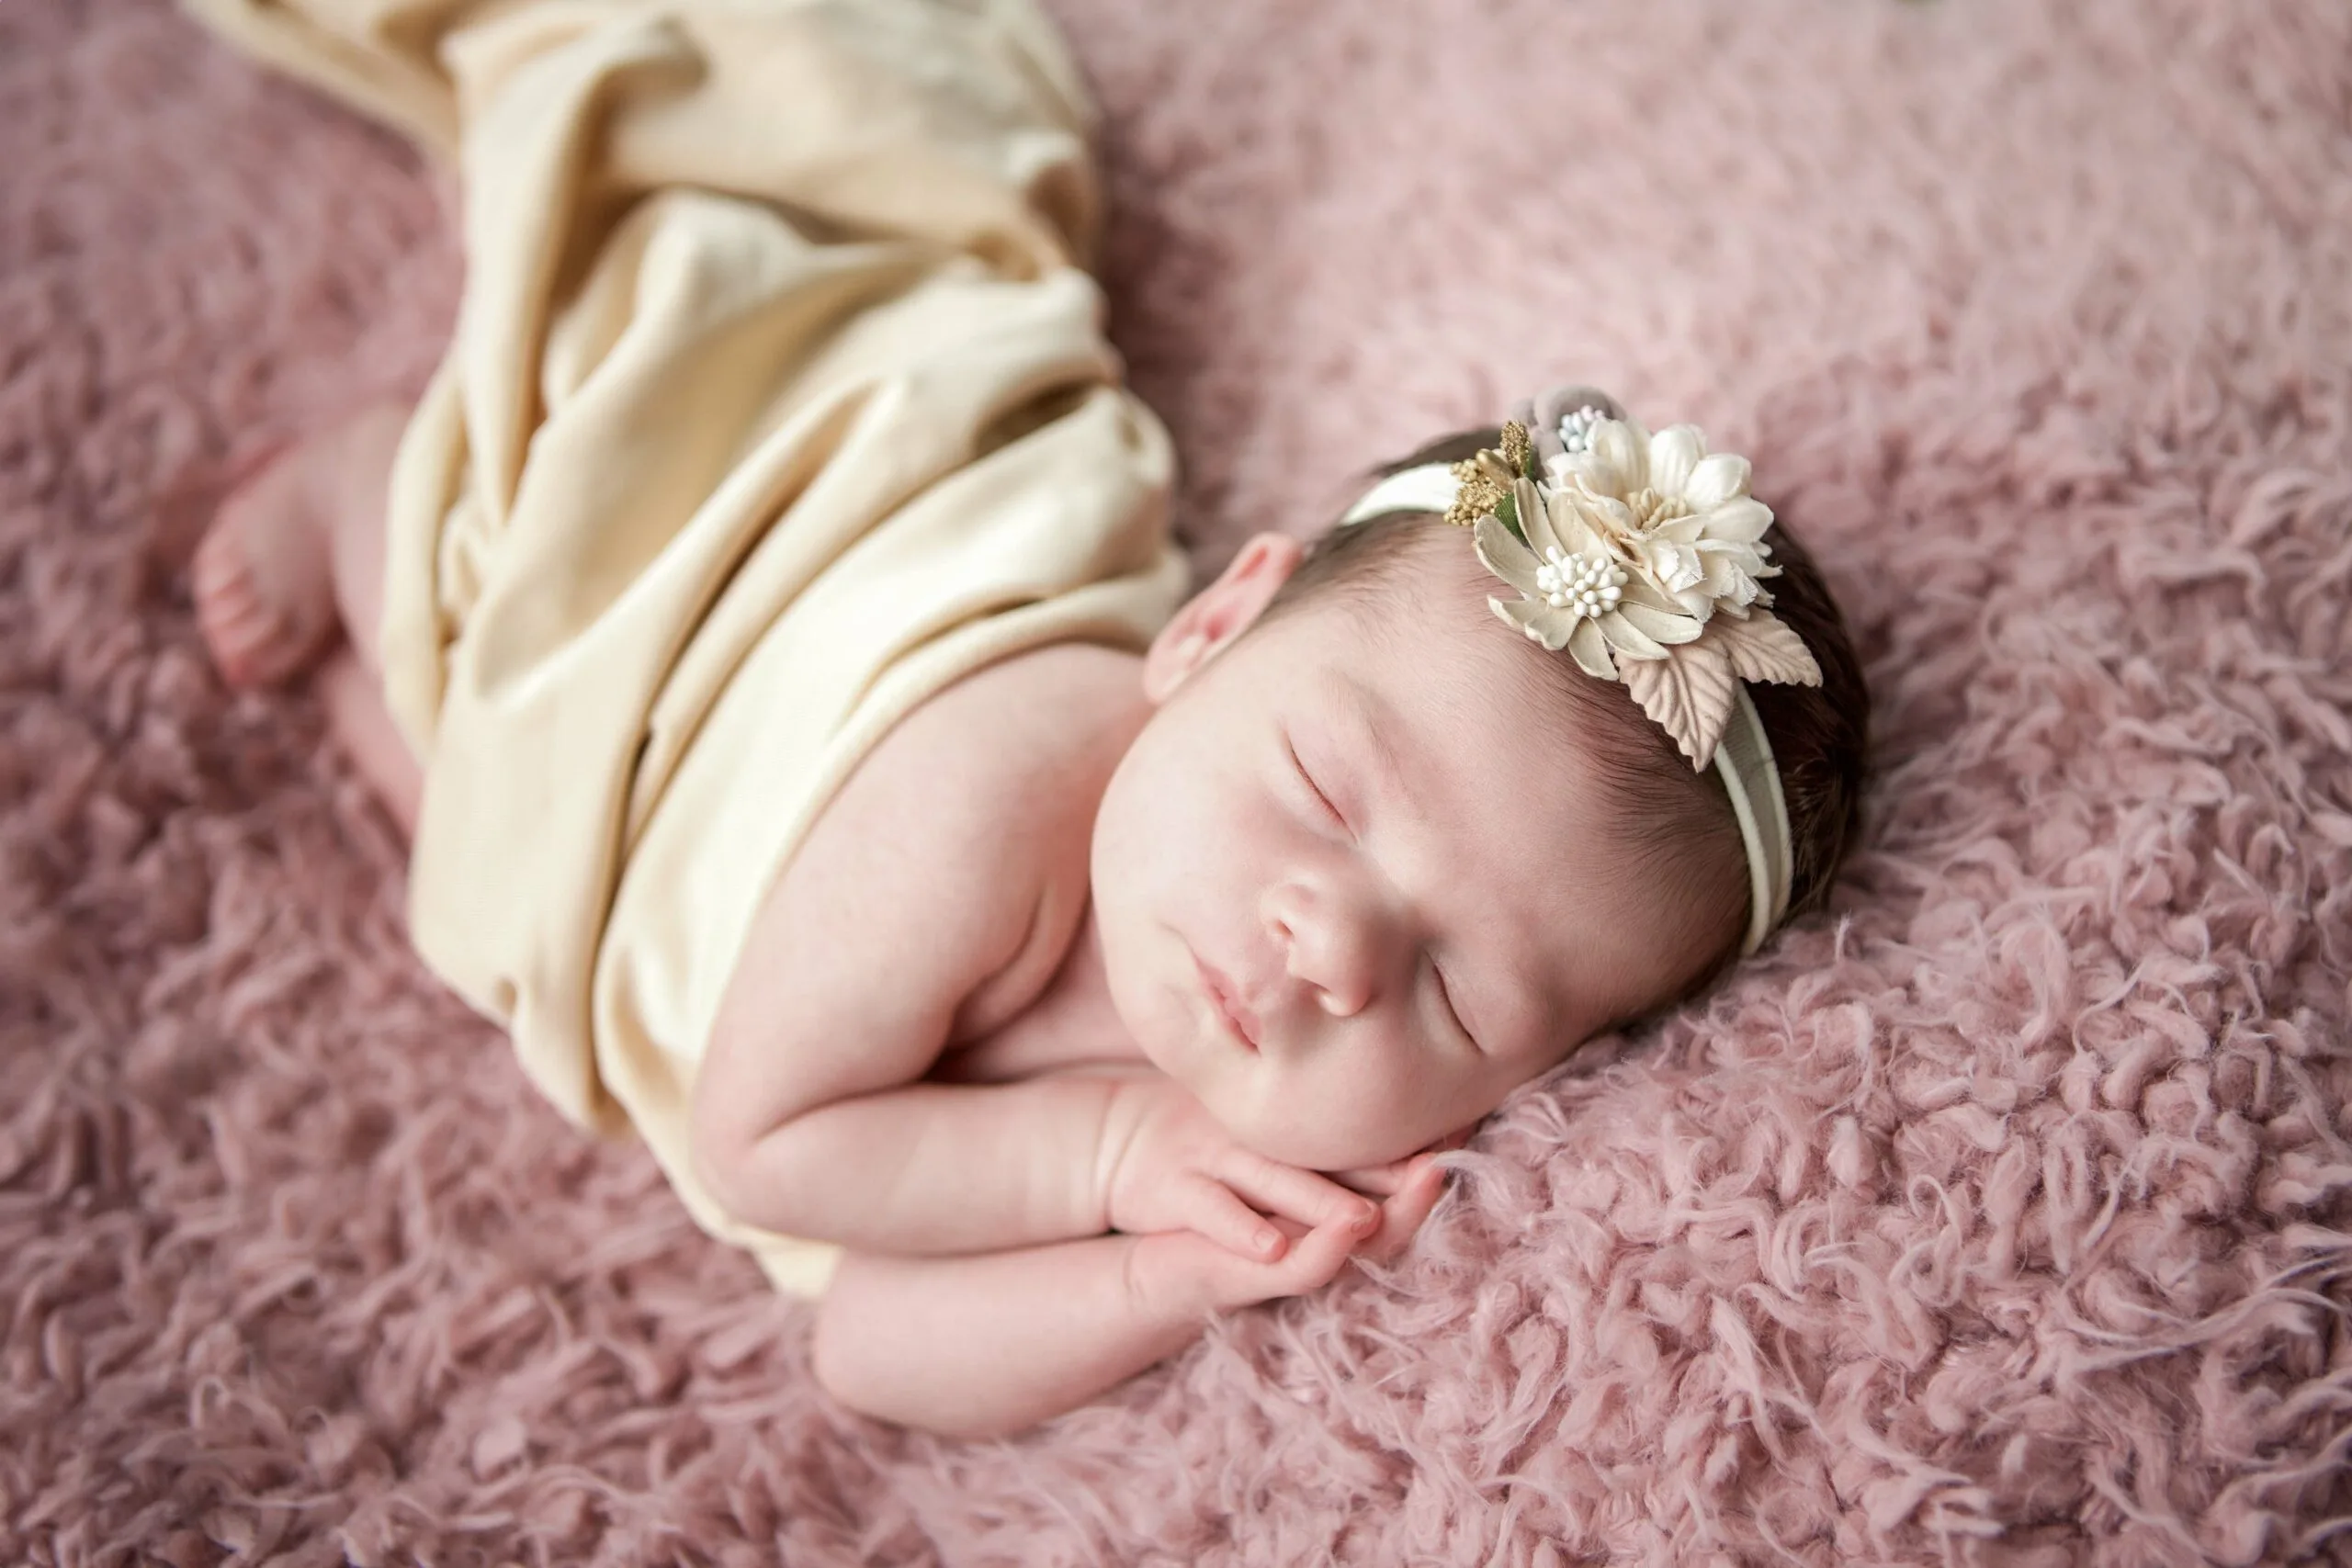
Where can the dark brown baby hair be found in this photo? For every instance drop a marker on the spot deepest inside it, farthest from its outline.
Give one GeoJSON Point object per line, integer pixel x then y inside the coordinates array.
{"type": "Point", "coordinates": [1676, 820]}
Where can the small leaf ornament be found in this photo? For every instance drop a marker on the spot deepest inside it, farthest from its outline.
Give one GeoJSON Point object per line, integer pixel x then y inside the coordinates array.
{"type": "Point", "coordinates": [1763, 647]}
{"type": "Point", "coordinates": [1689, 696]}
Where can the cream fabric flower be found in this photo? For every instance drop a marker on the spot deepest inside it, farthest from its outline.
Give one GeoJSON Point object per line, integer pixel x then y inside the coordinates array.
{"type": "Point", "coordinates": [1623, 554]}
{"type": "Point", "coordinates": [1617, 612]}
{"type": "Point", "coordinates": [1687, 515]}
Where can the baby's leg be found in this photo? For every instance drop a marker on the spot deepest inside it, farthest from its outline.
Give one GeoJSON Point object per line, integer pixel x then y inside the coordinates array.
{"type": "Point", "coordinates": [355, 702]}
{"type": "Point", "coordinates": [290, 578]}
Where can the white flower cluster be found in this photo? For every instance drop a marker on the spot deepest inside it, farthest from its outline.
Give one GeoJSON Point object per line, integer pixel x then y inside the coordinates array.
{"type": "Point", "coordinates": [1575, 429]}
{"type": "Point", "coordinates": [1583, 586]}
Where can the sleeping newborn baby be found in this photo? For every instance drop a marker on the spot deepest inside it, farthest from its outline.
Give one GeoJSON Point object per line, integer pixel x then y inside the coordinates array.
{"type": "Point", "coordinates": [767, 627]}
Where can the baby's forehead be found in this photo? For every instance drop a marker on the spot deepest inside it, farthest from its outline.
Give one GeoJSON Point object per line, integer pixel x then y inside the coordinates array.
{"type": "Point", "coordinates": [1492, 770]}
{"type": "Point", "coordinates": [1446, 676]}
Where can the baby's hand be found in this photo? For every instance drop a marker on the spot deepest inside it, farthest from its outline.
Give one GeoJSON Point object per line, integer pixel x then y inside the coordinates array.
{"type": "Point", "coordinates": [1169, 1166]}
{"type": "Point", "coordinates": [1184, 1273]}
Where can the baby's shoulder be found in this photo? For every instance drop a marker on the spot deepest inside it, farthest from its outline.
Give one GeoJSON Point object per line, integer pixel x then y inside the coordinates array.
{"type": "Point", "coordinates": [936, 894]}
{"type": "Point", "coordinates": [962, 840]}
{"type": "Point", "coordinates": [1013, 754]}
{"type": "Point", "coordinates": [1062, 705]}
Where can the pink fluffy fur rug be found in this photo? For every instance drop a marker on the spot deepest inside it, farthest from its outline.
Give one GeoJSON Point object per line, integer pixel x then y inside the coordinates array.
{"type": "Point", "coordinates": [2001, 1216]}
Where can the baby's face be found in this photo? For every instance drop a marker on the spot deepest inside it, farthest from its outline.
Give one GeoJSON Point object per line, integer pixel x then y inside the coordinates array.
{"type": "Point", "coordinates": [1352, 886]}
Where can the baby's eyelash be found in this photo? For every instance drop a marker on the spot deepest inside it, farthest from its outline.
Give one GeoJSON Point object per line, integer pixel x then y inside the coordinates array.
{"type": "Point", "coordinates": [1312, 787]}
{"type": "Point", "coordinates": [1445, 995]}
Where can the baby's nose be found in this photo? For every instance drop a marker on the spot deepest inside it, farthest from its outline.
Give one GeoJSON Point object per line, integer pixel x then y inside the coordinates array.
{"type": "Point", "coordinates": [1340, 948]}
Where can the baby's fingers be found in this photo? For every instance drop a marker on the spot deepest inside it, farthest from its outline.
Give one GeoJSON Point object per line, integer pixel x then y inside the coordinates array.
{"type": "Point", "coordinates": [1210, 1209]}
{"type": "Point", "coordinates": [1274, 1188]}
{"type": "Point", "coordinates": [1316, 1258]}
{"type": "Point", "coordinates": [1376, 1180]}
{"type": "Point", "coordinates": [1313, 1261]}
{"type": "Point", "coordinates": [1402, 1214]}
{"type": "Point", "coordinates": [1385, 1181]}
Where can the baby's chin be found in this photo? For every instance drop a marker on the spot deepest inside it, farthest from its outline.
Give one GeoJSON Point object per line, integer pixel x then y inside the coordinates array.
{"type": "Point", "coordinates": [1308, 1147]}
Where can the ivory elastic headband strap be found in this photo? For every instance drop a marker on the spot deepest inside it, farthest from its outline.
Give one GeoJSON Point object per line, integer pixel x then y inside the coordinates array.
{"type": "Point", "coordinates": [1744, 759]}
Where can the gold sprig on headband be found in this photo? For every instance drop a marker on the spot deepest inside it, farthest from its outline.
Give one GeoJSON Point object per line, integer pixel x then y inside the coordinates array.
{"type": "Point", "coordinates": [1482, 489]}
{"type": "Point", "coordinates": [1518, 450]}
{"type": "Point", "coordinates": [1486, 480]}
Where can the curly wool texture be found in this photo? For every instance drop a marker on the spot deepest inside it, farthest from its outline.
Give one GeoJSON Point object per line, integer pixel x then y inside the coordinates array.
{"type": "Point", "coordinates": [1999, 1216]}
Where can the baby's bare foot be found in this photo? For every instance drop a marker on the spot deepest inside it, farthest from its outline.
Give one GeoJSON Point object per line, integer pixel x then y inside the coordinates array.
{"type": "Point", "coordinates": [264, 577]}
{"type": "Point", "coordinates": [265, 586]}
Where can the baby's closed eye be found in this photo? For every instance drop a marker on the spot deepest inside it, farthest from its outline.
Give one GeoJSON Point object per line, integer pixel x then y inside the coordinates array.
{"type": "Point", "coordinates": [1445, 994]}
{"type": "Point", "coordinates": [1319, 799]}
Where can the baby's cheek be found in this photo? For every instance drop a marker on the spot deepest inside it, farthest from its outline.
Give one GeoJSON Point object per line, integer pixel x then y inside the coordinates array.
{"type": "Point", "coordinates": [1140, 817]}
{"type": "Point", "coordinates": [1356, 1111]}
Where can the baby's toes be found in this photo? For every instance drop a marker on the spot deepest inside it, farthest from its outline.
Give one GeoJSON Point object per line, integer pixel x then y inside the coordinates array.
{"type": "Point", "coordinates": [247, 636]}
{"type": "Point", "coordinates": [261, 625]}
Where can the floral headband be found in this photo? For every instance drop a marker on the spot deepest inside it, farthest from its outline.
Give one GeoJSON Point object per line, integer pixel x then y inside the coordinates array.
{"type": "Point", "coordinates": [1643, 556]}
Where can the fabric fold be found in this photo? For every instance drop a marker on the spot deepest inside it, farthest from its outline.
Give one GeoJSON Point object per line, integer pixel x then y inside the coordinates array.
{"type": "Point", "coordinates": [779, 401]}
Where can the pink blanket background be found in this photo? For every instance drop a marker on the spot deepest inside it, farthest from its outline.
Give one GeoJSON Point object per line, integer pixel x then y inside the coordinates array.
{"type": "Point", "coordinates": [2002, 1216]}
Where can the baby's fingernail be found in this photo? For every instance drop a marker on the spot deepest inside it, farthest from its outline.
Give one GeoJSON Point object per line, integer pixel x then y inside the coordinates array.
{"type": "Point", "coordinates": [1269, 1239]}
{"type": "Point", "coordinates": [1365, 1221]}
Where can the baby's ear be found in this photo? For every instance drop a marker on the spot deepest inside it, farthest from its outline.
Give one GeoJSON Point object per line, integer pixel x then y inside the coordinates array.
{"type": "Point", "coordinates": [1211, 618]}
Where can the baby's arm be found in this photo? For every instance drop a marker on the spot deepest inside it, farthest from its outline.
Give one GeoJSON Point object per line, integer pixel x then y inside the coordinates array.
{"type": "Point", "coordinates": [811, 1117]}
{"type": "Point", "coordinates": [906, 902]}
{"type": "Point", "coordinates": [930, 1169]}
{"type": "Point", "coordinates": [988, 1345]}
{"type": "Point", "coordinates": [939, 869]}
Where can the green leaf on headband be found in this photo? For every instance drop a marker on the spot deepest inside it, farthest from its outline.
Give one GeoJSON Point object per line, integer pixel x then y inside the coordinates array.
{"type": "Point", "coordinates": [1507, 514]}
